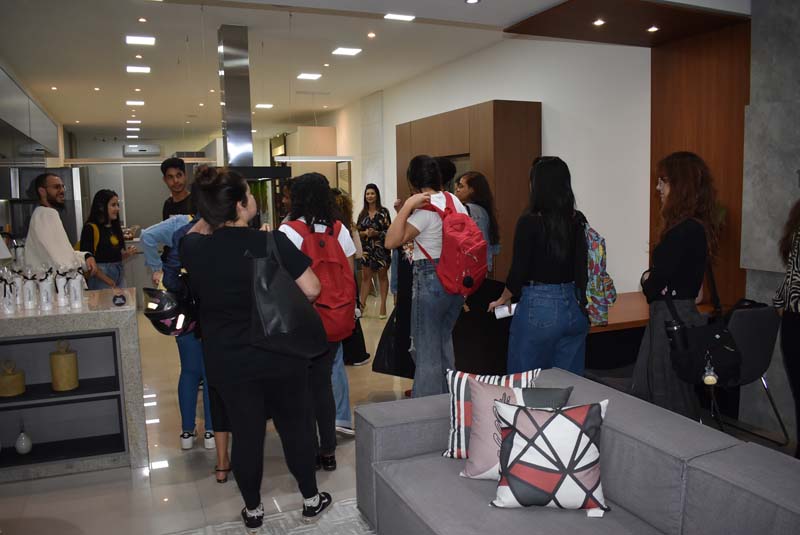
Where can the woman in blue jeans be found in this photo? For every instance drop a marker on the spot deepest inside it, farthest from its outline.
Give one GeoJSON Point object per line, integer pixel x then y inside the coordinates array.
{"type": "Point", "coordinates": [433, 311]}
{"type": "Point", "coordinates": [548, 275]}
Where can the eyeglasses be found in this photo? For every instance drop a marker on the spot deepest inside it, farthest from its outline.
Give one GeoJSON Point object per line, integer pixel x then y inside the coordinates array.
{"type": "Point", "coordinates": [57, 187]}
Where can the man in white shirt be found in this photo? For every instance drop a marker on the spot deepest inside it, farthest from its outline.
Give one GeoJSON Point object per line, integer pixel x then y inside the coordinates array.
{"type": "Point", "coordinates": [47, 242]}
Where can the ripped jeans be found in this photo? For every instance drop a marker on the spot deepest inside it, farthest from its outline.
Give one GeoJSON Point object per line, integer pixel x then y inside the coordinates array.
{"type": "Point", "coordinates": [433, 315]}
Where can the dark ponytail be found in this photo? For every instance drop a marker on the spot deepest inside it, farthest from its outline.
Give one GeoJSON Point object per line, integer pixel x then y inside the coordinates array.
{"type": "Point", "coordinates": [217, 193]}
{"type": "Point", "coordinates": [424, 172]}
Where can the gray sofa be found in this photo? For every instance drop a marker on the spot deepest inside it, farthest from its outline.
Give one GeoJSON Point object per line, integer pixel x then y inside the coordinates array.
{"type": "Point", "coordinates": [661, 473]}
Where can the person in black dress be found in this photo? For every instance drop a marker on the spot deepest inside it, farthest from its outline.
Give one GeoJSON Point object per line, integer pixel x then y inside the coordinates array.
{"type": "Point", "coordinates": [254, 384]}
{"type": "Point", "coordinates": [102, 237]}
{"type": "Point", "coordinates": [680, 259]}
{"type": "Point", "coordinates": [373, 222]}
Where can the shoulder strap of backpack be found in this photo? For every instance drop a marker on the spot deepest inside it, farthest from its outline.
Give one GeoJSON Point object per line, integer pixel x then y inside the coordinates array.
{"type": "Point", "coordinates": [300, 227]}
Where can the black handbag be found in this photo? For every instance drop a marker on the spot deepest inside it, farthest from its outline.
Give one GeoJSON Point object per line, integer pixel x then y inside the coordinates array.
{"type": "Point", "coordinates": [705, 354]}
{"type": "Point", "coordinates": [283, 320]}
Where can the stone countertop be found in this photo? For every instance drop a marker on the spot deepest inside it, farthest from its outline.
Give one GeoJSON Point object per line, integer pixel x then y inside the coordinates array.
{"type": "Point", "coordinates": [98, 314]}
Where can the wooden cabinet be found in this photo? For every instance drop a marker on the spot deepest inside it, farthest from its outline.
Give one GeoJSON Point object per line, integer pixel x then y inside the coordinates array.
{"type": "Point", "coordinates": [501, 138]}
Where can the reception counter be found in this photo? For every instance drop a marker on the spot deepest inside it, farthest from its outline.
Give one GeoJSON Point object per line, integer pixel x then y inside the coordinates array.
{"type": "Point", "coordinates": [100, 424]}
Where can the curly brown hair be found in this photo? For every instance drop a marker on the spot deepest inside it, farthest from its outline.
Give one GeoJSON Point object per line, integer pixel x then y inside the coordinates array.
{"type": "Point", "coordinates": [345, 205]}
{"type": "Point", "coordinates": [691, 194]}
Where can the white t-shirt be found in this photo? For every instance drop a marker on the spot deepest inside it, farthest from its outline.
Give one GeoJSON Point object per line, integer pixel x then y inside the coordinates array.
{"type": "Point", "coordinates": [429, 225]}
{"type": "Point", "coordinates": [344, 238]}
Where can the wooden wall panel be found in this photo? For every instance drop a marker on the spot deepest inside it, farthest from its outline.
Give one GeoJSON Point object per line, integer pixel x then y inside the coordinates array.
{"type": "Point", "coordinates": [445, 134]}
{"type": "Point", "coordinates": [517, 142]}
{"type": "Point", "coordinates": [699, 89]}
{"type": "Point", "coordinates": [403, 143]}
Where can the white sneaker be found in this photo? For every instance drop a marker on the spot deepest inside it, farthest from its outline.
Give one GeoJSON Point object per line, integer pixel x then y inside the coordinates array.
{"type": "Point", "coordinates": [345, 431]}
{"type": "Point", "coordinates": [208, 440]}
{"type": "Point", "coordinates": [187, 440]}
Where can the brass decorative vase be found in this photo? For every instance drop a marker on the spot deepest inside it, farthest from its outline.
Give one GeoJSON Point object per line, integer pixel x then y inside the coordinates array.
{"type": "Point", "coordinates": [12, 380]}
{"type": "Point", "coordinates": [64, 367]}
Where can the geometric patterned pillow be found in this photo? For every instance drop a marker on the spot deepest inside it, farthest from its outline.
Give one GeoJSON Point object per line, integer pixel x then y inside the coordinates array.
{"type": "Point", "coordinates": [485, 434]}
{"type": "Point", "coordinates": [461, 404]}
{"type": "Point", "coordinates": [550, 457]}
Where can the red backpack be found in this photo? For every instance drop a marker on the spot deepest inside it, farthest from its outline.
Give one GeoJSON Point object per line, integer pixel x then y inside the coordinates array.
{"type": "Point", "coordinates": [462, 265]}
{"type": "Point", "coordinates": [336, 303]}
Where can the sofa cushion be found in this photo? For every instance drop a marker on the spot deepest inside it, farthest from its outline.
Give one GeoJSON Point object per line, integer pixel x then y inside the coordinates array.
{"type": "Point", "coordinates": [744, 489]}
{"type": "Point", "coordinates": [484, 437]}
{"type": "Point", "coordinates": [644, 450]}
{"type": "Point", "coordinates": [425, 496]}
{"type": "Point", "coordinates": [461, 405]}
{"type": "Point", "coordinates": [550, 458]}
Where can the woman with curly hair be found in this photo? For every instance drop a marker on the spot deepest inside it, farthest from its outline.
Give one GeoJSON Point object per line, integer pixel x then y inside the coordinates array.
{"type": "Point", "coordinates": [687, 242]}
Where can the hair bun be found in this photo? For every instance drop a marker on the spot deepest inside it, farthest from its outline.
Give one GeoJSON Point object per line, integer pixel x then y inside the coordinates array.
{"type": "Point", "coordinates": [205, 176]}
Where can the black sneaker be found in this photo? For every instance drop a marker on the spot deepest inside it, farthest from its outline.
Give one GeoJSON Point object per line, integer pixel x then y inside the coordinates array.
{"type": "Point", "coordinates": [328, 462]}
{"type": "Point", "coordinates": [364, 360]}
{"type": "Point", "coordinates": [312, 514]}
{"type": "Point", "coordinates": [254, 521]}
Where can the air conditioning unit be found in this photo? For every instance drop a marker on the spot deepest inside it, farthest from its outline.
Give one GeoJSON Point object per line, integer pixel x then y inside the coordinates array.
{"type": "Point", "coordinates": [31, 149]}
{"type": "Point", "coordinates": [141, 149]}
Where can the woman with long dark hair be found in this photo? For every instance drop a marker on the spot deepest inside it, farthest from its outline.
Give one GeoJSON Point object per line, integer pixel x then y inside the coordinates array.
{"type": "Point", "coordinates": [687, 242]}
{"type": "Point", "coordinates": [373, 222]}
{"type": "Point", "coordinates": [473, 190]}
{"type": "Point", "coordinates": [548, 276]}
{"type": "Point", "coordinates": [314, 207]}
{"type": "Point", "coordinates": [102, 237]}
{"type": "Point", "coordinates": [787, 300]}
{"type": "Point", "coordinates": [433, 311]}
{"type": "Point", "coordinates": [254, 384]}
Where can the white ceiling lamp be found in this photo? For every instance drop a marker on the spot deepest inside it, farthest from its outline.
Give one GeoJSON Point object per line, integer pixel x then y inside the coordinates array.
{"type": "Point", "coordinates": [140, 40]}
{"type": "Point", "coordinates": [599, 22]}
{"type": "Point", "coordinates": [54, 88]}
{"type": "Point", "coordinates": [326, 64]}
{"type": "Point", "coordinates": [344, 51]}
{"type": "Point", "coordinates": [221, 72]}
{"type": "Point", "coordinates": [371, 35]}
{"type": "Point", "coordinates": [132, 137]}
{"type": "Point", "coordinates": [137, 69]}
{"type": "Point", "coordinates": [138, 56]}
{"type": "Point", "coordinates": [201, 104]}
{"type": "Point", "coordinates": [137, 121]}
{"type": "Point", "coordinates": [142, 19]}
{"type": "Point", "coordinates": [472, 1]}
{"type": "Point", "coordinates": [265, 106]}
{"type": "Point", "coordinates": [77, 122]}
{"type": "Point", "coordinates": [302, 159]}
{"type": "Point", "coordinates": [653, 29]}
{"type": "Point", "coordinates": [308, 76]}
{"type": "Point", "coordinates": [402, 18]}
{"type": "Point", "coordinates": [97, 89]}
{"type": "Point", "coordinates": [134, 102]}
{"type": "Point", "coordinates": [133, 129]}
{"type": "Point", "coordinates": [211, 91]}
{"type": "Point", "coordinates": [253, 131]}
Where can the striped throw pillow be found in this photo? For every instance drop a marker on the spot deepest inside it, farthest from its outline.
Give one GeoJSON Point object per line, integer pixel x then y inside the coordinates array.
{"type": "Point", "coordinates": [461, 404]}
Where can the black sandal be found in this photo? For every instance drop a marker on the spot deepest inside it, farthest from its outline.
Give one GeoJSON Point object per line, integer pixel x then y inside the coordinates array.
{"type": "Point", "coordinates": [223, 470]}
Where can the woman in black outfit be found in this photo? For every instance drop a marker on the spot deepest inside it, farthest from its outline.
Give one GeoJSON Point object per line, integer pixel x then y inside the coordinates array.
{"type": "Point", "coordinates": [787, 300]}
{"type": "Point", "coordinates": [679, 264]}
{"type": "Point", "coordinates": [252, 383]}
{"type": "Point", "coordinates": [102, 237]}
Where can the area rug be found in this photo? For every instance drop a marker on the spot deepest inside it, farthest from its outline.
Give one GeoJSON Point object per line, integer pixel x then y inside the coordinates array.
{"type": "Point", "coordinates": [343, 519]}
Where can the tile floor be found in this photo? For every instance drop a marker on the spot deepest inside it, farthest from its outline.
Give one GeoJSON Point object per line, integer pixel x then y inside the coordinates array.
{"type": "Point", "coordinates": [183, 495]}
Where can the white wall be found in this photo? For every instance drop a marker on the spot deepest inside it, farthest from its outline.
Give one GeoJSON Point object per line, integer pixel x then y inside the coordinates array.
{"type": "Point", "coordinates": [595, 115]}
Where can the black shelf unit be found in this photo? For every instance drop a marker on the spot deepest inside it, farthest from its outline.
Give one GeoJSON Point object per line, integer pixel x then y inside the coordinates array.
{"type": "Point", "coordinates": [64, 450]}
{"type": "Point", "coordinates": [43, 393]}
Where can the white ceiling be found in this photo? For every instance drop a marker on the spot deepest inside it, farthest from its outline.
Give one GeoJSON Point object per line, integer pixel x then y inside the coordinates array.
{"type": "Point", "coordinates": [77, 45]}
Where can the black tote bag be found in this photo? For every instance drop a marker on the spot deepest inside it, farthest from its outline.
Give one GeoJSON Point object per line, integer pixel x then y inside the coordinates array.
{"type": "Point", "coordinates": [283, 320]}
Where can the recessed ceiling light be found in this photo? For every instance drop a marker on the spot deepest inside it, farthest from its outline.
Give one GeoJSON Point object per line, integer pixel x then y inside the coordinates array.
{"type": "Point", "coordinates": [133, 116]}
{"type": "Point", "coordinates": [221, 72]}
{"type": "Point", "coordinates": [201, 104]}
{"type": "Point", "coordinates": [97, 89]}
{"type": "Point", "coordinates": [326, 64]}
{"type": "Point", "coordinates": [326, 106]}
{"type": "Point", "coordinates": [188, 122]}
{"type": "Point", "coordinates": [133, 122]}
{"type": "Point", "coordinates": [652, 29]}
{"type": "Point", "coordinates": [132, 137]}
{"type": "Point", "coordinates": [135, 69]}
{"type": "Point", "coordinates": [134, 102]}
{"type": "Point", "coordinates": [472, 1]}
{"type": "Point", "coordinates": [221, 103]}
{"type": "Point", "coordinates": [253, 131]}
{"type": "Point", "coordinates": [54, 88]}
{"type": "Point", "coordinates": [308, 76]}
{"type": "Point", "coordinates": [142, 19]}
{"type": "Point", "coordinates": [344, 51]}
{"type": "Point", "coordinates": [138, 56]}
{"type": "Point", "coordinates": [394, 16]}
{"type": "Point", "coordinates": [210, 90]}
{"type": "Point", "coordinates": [264, 106]}
{"type": "Point", "coordinates": [371, 35]}
{"type": "Point", "coordinates": [133, 129]}
{"type": "Point", "coordinates": [137, 89]}
{"type": "Point", "coordinates": [77, 122]}
{"type": "Point", "coordinates": [599, 22]}
{"type": "Point", "coordinates": [140, 40]}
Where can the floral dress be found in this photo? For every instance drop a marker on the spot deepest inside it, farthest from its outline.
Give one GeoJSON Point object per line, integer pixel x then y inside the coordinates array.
{"type": "Point", "coordinates": [376, 257]}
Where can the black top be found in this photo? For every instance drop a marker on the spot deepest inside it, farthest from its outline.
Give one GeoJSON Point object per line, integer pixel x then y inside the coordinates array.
{"type": "Point", "coordinates": [109, 245]}
{"type": "Point", "coordinates": [533, 263]}
{"type": "Point", "coordinates": [679, 262]}
{"type": "Point", "coordinates": [184, 207]}
{"type": "Point", "coordinates": [220, 277]}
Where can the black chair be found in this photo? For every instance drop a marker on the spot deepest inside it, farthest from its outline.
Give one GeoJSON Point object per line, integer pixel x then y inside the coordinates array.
{"type": "Point", "coordinates": [755, 331]}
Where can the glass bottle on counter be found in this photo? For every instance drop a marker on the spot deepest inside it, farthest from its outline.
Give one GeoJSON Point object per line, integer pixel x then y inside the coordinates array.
{"type": "Point", "coordinates": [75, 288]}
{"type": "Point", "coordinates": [62, 293]}
{"type": "Point", "coordinates": [46, 288]}
{"type": "Point", "coordinates": [30, 298]}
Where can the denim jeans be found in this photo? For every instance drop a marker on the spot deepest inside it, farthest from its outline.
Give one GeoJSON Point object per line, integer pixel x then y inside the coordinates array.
{"type": "Point", "coordinates": [113, 271]}
{"type": "Point", "coordinates": [548, 330]}
{"type": "Point", "coordinates": [193, 370]}
{"type": "Point", "coordinates": [433, 315]}
{"type": "Point", "coordinates": [341, 390]}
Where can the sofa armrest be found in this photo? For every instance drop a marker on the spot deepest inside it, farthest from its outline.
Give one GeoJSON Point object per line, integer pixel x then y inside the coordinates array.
{"type": "Point", "coordinates": [396, 430]}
